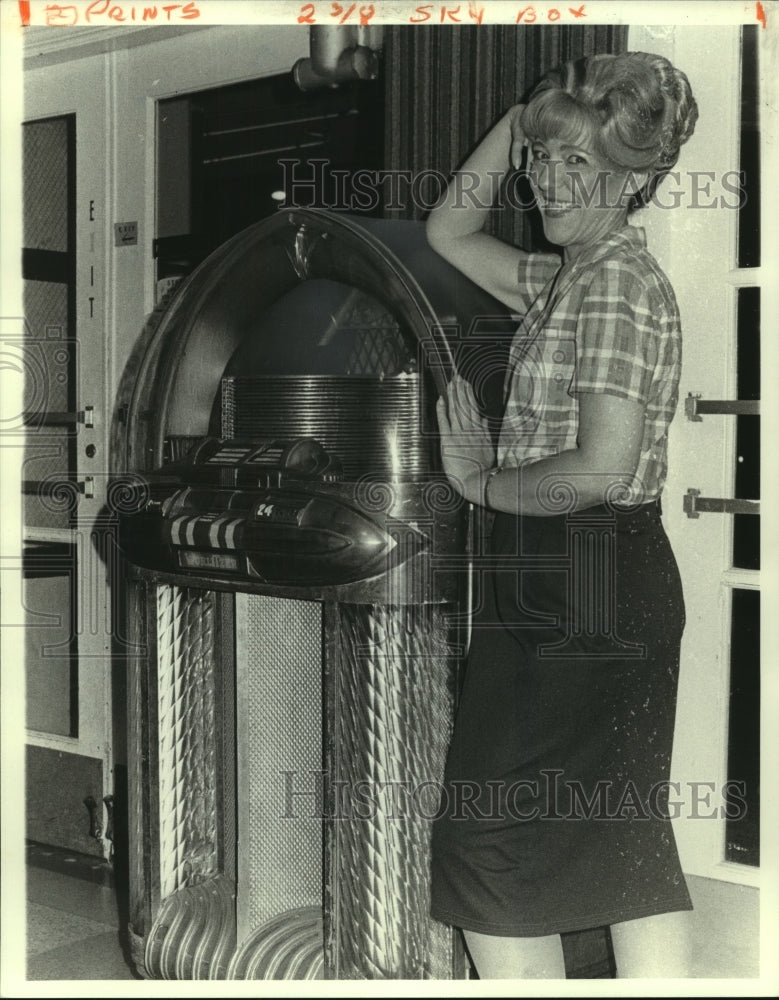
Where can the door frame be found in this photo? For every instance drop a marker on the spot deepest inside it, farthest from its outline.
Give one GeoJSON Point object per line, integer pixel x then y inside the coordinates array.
{"type": "Point", "coordinates": [697, 248]}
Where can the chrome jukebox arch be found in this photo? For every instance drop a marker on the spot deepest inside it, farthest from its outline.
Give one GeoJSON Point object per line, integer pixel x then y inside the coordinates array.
{"type": "Point", "coordinates": [295, 570]}
{"type": "Point", "coordinates": [175, 370]}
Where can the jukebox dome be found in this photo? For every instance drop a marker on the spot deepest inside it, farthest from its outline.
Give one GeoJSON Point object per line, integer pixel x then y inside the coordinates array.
{"type": "Point", "coordinates": [308, 306]}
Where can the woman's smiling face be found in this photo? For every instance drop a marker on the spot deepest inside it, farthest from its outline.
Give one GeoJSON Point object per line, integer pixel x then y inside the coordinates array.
{"type": "Point", "coordinates": [582, 197]}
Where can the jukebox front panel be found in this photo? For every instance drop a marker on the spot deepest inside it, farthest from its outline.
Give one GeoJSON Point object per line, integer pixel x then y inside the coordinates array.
{"type": "Point", "coordinates": [279, 421]}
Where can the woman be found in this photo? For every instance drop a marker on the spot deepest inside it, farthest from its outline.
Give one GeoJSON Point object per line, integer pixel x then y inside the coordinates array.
{"type": "Point", "coordinates": [554, 816]}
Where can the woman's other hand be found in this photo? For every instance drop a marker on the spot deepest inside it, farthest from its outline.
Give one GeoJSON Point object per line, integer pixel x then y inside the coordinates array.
{"type": "Point", "coordinates": [467, 450]}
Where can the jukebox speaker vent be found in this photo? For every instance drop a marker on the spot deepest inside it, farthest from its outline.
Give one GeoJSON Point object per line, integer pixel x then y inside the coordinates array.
{"type": "Point", "coordinates": [372, 425]}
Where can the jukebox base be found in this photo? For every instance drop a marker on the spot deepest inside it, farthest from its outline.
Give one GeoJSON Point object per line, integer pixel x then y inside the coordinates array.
{"type": "Point", "coordinates": [306, 863]}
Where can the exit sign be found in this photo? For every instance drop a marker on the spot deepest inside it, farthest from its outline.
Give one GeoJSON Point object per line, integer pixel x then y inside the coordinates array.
{"type": "Point", "coordinates": [125, 234]}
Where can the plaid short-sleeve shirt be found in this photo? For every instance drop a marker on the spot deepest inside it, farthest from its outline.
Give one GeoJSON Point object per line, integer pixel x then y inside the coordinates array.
{"type": "Point", "coordinates": [606, 322]}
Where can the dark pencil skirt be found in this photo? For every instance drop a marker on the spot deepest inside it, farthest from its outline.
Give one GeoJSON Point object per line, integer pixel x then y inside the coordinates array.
{"type": "Point", "coordinates": [554, 812]}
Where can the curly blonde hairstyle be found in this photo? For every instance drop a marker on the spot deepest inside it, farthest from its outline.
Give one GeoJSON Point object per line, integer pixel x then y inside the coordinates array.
{"type": "Point", "coordinates": [637, 107]}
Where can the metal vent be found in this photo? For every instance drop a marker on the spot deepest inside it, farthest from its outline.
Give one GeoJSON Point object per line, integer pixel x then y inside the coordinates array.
{"type": "Point", "coordinates": [372, 425]}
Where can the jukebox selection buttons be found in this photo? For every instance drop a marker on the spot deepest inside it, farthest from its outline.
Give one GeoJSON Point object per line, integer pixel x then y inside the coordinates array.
{"type": "Point", "coordinates": [217, 512]}
{"type": "Point", "coordinates": [264, 462]}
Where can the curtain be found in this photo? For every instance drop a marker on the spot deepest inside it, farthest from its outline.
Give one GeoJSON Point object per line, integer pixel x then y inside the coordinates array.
{"type": "Point", "coordinates": [446, 86]}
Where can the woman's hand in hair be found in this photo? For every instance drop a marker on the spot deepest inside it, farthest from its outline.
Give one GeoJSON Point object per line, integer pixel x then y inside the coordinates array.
{"type": "Point", "coordinates": [518, 137]}
{"type": "Point", "coordinates": [455, 227]}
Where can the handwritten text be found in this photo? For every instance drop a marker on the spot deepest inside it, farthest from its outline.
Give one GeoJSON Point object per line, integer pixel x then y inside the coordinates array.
{"type": "Point", "coordinates": [107, 11]}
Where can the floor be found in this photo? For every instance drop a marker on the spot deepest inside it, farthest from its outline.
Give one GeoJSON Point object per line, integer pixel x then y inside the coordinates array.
{"type": "Point", "coordinates": [73, 926]}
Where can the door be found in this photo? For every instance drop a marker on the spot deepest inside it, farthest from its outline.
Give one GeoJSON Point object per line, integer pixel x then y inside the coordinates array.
{"type": "Point", "coordinates": [67, 678]}
{"type": "Point", "coordinates": [710, 245]}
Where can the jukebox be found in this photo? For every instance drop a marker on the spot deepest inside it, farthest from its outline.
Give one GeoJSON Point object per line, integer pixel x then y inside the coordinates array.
{"type": "Point", "coordinates": [294, 588]}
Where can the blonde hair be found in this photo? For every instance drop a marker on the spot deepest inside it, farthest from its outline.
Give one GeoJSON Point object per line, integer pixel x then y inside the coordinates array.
{"type": "Point", "coordinates": [637, 107]}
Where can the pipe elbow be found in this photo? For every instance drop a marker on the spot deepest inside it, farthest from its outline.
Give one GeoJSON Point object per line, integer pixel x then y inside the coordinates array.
{"type": "Point", "coordinates": [338, 54]}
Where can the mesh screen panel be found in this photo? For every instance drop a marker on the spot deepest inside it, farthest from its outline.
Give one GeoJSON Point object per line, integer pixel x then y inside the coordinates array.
{"type": "Point", "coordinates": [45, 173]}
{"type": "Point", "coordinates": [378, 347]}
{"type": "Point", "coordinates": [50, 367]}
{"type": "Point", "coordinates": [50, 355]}
{"type": "Point", "coordinates": [279, 741]}
{"type": "Point", "coordinates": [55, 502]}
{"type": "Point", "coordinates": [47, 653]}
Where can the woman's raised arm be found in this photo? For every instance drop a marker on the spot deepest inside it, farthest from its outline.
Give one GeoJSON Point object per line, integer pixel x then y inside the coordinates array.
{"type": "Point", "coordinates": [454, 227]}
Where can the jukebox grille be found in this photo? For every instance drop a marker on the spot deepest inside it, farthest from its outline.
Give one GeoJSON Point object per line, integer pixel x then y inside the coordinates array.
{"type": "Point", "coordinates": [371, 424]}
{"type": "Point", "coordinates": [279, 728]}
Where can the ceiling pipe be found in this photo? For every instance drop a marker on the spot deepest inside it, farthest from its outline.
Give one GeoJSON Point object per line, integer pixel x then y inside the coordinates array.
{"type": "Point", "coordinates": [339, 54]}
